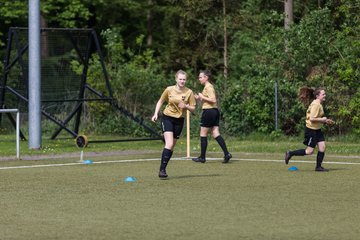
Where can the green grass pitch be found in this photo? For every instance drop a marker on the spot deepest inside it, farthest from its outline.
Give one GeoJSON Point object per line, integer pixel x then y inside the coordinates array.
{"type": "Point", "coordinates": [246, 199]}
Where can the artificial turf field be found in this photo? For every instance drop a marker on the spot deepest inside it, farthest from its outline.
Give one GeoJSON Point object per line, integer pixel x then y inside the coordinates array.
{"type": "Point", "coordinates": [253, 197]}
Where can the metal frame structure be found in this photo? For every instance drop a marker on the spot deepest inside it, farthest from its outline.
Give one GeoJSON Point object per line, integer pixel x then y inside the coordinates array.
{"type": "Point", "coordinates": [92, 43]}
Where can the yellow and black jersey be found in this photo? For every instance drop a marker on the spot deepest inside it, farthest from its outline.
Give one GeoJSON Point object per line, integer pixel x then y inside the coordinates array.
{"type": "Point", "coordinates": [315, 110]}
{"type": "Point", "coordinates": [173, 97]}
{"type": "Point", "coordinates": [209, 92]}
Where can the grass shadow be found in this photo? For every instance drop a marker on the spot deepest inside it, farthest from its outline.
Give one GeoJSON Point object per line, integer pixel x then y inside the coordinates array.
{"type": "Point", "coordinates": [195, 176]}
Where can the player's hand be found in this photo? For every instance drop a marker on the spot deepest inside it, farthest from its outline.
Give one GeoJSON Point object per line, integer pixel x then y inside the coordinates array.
{"type": "Point", "coordinates": [182, 105]}
{"type": "Point", "coordinates": [329, 121]}
{"type": "Point", "coordinates": [154, 118]}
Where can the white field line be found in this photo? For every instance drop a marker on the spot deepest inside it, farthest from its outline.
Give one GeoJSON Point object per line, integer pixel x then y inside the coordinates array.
{"type": "Point", "coordinates": [76, 163]}
{"type": "Point", "coordinates": [157, 159]}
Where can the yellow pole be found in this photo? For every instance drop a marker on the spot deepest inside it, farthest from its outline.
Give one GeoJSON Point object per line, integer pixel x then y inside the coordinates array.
{"type": "Point", "coordinates": [188, 134]}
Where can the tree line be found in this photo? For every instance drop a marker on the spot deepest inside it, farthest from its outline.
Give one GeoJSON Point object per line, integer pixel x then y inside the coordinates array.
{"type": "Point", "coordinates": [260, 52]}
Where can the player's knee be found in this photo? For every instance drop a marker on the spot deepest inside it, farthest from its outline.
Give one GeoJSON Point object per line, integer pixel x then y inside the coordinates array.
{"type": "Point", "coordinates": [322, 148]}
{"type": "Point", "coordinates": [169, 145]}
{"type": "Point", "coordinates": [215, 135]}
{"type": "Point", "coordinates": [309, 151]}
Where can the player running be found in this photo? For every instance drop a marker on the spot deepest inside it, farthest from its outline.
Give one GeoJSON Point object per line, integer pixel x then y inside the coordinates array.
{"type": "Point", "coordinates": [314, 120]}
{"type": "Point", "coordinates": [179, 99]}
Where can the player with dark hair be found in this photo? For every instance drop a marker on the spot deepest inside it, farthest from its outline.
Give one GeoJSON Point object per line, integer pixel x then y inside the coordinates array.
{"type": "Point", "coordinates": [314, 120]}
{"type": "Point", "coordinates": [210, 118]}
{"type": "Point", "coordinates": [179, 99]}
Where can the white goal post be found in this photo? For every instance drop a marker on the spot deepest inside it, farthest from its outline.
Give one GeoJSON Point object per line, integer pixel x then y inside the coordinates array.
{"type": "Point", "coordinates": [17, 128]}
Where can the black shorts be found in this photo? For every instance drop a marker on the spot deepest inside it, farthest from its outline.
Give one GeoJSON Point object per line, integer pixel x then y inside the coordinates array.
{"type": "Point", "coordinates": [312, 137]}
{"type": "Point", "coordinates": [171, 124]}
{"type": "Point", "coordinates": [210, 118]}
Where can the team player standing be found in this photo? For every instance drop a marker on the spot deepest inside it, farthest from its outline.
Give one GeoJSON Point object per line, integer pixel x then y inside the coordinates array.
{"type": "Point", "coordinates": [210, 118]}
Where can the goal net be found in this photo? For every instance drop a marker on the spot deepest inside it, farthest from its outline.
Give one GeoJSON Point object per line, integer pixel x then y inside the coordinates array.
{"type": "Point", "coordinates": [67, 92]}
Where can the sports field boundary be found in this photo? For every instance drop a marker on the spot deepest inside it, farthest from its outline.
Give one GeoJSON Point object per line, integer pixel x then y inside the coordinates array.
{"type": "Point", "coordinates": [176, 159]}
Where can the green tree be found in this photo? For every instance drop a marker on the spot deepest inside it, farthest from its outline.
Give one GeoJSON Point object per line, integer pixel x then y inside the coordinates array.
{"type": "Point", "coordinates": [68, 13]}
{"type": "Point", "coordinates": [12, 13]}
{"type": "Point", "coordinates": [150, 39]}
{"type": "Point", "coordinates": [345, 69]}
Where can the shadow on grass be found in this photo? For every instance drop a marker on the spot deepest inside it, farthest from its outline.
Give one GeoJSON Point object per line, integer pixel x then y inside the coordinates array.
{"type": "Point", "coordinates": [195, 176]}
{"type": "Point", "coordinates": [329, 170]}
{"type": "Point", "coordinates": [337, 169]}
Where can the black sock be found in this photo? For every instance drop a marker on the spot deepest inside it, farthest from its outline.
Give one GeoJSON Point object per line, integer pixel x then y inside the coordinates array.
{"type": "Point", "coordinates": [165, 158]}
{"type": "Point", "coordinates": [319, 158]}
{"type": "Point", "coordinates": [222, 144]}
{"type": "Point", "coordinates": [203, 145]}
{"type": "Point", "coordinates": [300, 152]}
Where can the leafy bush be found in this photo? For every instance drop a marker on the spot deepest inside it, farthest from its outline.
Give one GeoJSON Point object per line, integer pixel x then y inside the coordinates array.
{"type": "Point", "coordinates": [312, 53]}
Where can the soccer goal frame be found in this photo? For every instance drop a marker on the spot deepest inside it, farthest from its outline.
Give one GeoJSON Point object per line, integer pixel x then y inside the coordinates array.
{"type": "Point", "coordinates": [92, 46]}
